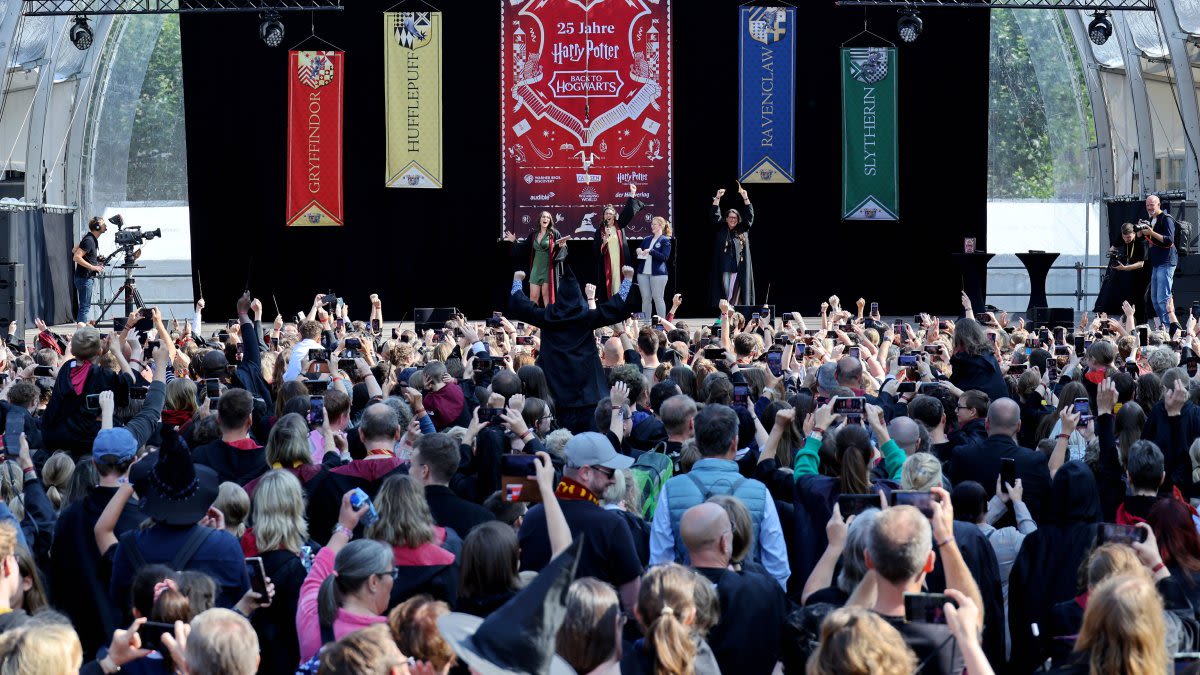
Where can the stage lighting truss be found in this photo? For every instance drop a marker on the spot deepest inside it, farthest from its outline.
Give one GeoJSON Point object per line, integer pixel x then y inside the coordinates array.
{"type": "Point", "coordinates": [271, 29]}
{"type": "Point", "coordinates": [112, 7]}
{"type": "Point", "coordinates": [1087, 5]}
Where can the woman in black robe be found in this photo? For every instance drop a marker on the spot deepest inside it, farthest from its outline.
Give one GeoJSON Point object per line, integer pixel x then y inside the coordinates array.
{"type": "Point", "coordinates": [612, 250]}
{"type": "Point", "coordinates": [733, 272]}
{"type": "Point", "coordinates": [1046, 571]}
{"type": "Point", "coordinates": [1127, 278]}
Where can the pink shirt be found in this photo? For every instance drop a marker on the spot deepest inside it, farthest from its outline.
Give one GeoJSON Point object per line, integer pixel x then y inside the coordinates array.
{"type": "Point", "coordinates": [308, 623]}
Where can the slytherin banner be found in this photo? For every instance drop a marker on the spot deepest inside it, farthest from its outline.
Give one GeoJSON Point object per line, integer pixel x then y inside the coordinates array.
{"type": "Point", "coordinates": [767, 153]}
{"type": "Point", "coordinates": [869, 157]}
{"type": "Point", "coordinates": [314, 183]}
{"type": "Point", "coordinates": [585, 111]}
{"type": "Point", "coordinates": [412, 58]}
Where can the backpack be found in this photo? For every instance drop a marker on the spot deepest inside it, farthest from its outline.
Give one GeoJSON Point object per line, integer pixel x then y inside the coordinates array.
{"type": "Point", "coordinates": [1183, 238]}
{"type": "Point", "coordinates": [650, 472]}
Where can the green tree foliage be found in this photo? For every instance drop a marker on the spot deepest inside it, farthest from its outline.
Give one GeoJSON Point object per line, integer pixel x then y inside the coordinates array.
{"type": "Point", "coordinates": [157, 156]}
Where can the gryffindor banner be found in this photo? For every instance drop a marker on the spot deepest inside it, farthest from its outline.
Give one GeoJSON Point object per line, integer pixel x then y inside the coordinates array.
{"type": "Point", "coordinates": [314, 192]}
{"type": "Point", "coordinates": [585, 110]}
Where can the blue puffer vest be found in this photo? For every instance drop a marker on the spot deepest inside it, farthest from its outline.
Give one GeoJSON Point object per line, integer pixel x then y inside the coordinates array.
{"type": "Point", "coordinates": [719, 477]}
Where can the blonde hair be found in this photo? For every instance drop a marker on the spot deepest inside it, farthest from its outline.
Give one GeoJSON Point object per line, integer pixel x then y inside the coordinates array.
{"type": "Point", "coordinates": [404, 516]}
{"type": "Point", "coordinates": [666, 225]}
{"type": "Point", "coordinates": [1123, 627]}
{"type": "Point", "coordinates": [288, 445]}
{"type": "Point", "coordinates": [57, 475]}
{"type": "Point", "coordinates": [279, 521]}
{"type": "Point", "coordinates": [45, 649]}
{"type": "Point", "coordinates": [12, 488]}
{"type": "Point", "coordinates": [666, 606]}
{"type": "Point", "coordinates": [1194, 454]}
{"type": "Point", "coordinates": [856, 641]}
{"type": "Point", "coordinates": [181, 395]}
{"type": "Point", "coordinates": [234, 503]}
{"type": "Point", "coordinates": [1109, 560]}
{"type": "Point", "coordinates": [921, 472]}
{"type": "Point", "coordinates": [85, 344]}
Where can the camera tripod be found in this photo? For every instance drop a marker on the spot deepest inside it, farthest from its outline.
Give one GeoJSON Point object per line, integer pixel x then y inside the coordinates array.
{"type": "Point", "coordinates": [128, 289]}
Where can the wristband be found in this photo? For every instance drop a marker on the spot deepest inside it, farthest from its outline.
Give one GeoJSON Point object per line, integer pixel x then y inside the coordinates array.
{"type": "Point", "coordinates": [108, 665]}
{"type": "Point", "coordinates": [817, 430]}
{"type": "Point", "coordinates": [947, 540]}
{"type": "Point", "coordinates": [1156, 568]}
{"type": "Point", "coordinates": [1062, 437]}
{"type": "Point", "coordinates": [338, 528]}
{"type": "Point", "coordinates": [527, 436]}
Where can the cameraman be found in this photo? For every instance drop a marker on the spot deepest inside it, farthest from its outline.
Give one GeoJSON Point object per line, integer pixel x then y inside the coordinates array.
{"type": "Point", "coordinates": [1160, 236]}
{"type": "Point", "coordinates": [88, 265]}
{"type": "Point", "coordinates": [1128, 275]}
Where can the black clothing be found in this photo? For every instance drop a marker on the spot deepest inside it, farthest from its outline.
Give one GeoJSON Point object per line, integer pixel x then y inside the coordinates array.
{"type": "Point", "coordinates": [66, 424]}
{"type": "Point", "coordinates": [483, 606]}
{"type": "Point", "coordinates": [1130, 286]}
{"type": "Point", "coordinates": [276, 624]}
{"type": "Point", "coordinates": [732, 245]}
{"type": "Point", "coordinates": [248, 374]}
{"type": "Point", "coordinates": [79, 575]}
{"type": "Point", "coordinates": [450, 510]}
{"type": "Point", "coordinates": [831, 595]}
{"type": "Point", "coordinates": [978, 371]}
{"type": "Point", "coordinates": [90, 246]}
{"type": "Point", "coordinates": [568, 353]}
{"type": "Point", "coordinates": [970, 433]}
{"type": "Point", "coordinates": [748, 637]}
{"type": "Point", "coordinates": [608, 552]}
{"type": "Point", "coordinates": [328, 488]}
{"type": "Point", "coordinates": [933, 643]}
{"type": "Point", "coordinates": [637, 660]}
{"type": "Point", "coordinates": [980, 559]}
{"type": "Point", "coordinates": [232, 463]}
{"type": "Point", "coordinates": [1046, 570]}
{"type": "Point", "coordinates": [640, 529]}
{"type": "Point", "coordinates": [981, 463]}
{"type": "Point", "coordinates": [632, 206]}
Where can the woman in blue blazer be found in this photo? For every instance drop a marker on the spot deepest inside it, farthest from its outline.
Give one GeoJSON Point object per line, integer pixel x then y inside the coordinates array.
{"type": "Point", "coordinates": [652, 266]}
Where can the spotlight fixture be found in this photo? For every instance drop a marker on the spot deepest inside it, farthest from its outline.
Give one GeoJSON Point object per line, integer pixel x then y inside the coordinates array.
{"type": "Point", "coordinates": [81, 34]}
{"type": "Point", "coordinates": [271, 29]}
{"type": "Point", "coordinates": [1100, 29]}
{"type": "Point", "coordinates": [909, 26]}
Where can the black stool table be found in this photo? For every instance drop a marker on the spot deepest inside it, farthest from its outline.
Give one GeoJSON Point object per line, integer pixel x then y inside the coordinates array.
{"type": "Point", "coordinates": [1037, 263]}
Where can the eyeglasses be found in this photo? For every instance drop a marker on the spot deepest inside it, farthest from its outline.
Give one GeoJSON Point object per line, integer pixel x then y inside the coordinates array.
{"type": "Point", "coordinates": [547, 418]}
{"type": "Point", "coordinates": [394, 573]}
{"type": "Point", "coordinates": [607, 472]}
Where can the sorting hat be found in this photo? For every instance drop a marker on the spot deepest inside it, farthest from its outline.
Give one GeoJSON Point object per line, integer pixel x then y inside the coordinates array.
{"type": "Point", "coordinates": [569, 303]}
{"type": "Point", "coordinates": [176, 491]}
{"type": "Point", "coordinates": [520, 636]}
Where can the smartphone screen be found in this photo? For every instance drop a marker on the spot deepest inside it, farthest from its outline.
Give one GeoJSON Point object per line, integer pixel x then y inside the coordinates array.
{"type": "Point", "coordinates": [517, 480]}
{"type": "Point", "coordinates": [374, 325]}
{"type": "Point", "coordinates": [1143, 336]}
{"type": "Point", "coordinates": [212, 387]}
{"type": "Point", "coordinates": [874, 308]}
{"type": "Point", "coordinates": [258, 577]}
{"type": "Point", "coordinates": [1008, 473]}
{"type": "Point", "coordinates": [775, 363]}
{"type": "Point", "coordinates": [853, 351]}
{"type": "Point", "coordinates": [922, 500]}
{"type": "Point", "coordinates": [1083, 407]}
{"type": "Point", "coordinates": [316, 406]}
{"type": "Point", "coordinates": [852, 407]}
{"type": "Point", "coordinates": [151, 632]}
{"type": "Point", "coordinates": [852, 505]}
{"type": "Point", "coordinates": [741, 395]}
{"type": "Point", "coordinates": [1121, 534]}
{"type": "Point", "coordinates": [14, 426]}
{"type": "Point", "coordinates": [926, 607]}
{"type": "Point", "coordinates": [1079, 346]}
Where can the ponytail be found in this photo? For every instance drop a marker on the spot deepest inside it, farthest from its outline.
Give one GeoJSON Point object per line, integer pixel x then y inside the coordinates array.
{"type": "Point", "coordinates": [329, 599]}
{"type": "Point", "coordinates": [854, 476]}
{"type": "Point", "coordinates": [671, 644]}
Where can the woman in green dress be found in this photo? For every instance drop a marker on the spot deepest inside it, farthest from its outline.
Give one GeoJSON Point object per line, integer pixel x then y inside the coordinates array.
{"type": "Point", "coordinates": [546, 248]}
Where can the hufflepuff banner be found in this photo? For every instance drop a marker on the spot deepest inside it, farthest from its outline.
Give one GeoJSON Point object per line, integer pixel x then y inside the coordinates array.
{"type": "Point", "coordinates": [413, 82]}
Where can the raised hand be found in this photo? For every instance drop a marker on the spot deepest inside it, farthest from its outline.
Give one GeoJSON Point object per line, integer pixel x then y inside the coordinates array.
{"type": "Point", "coordinates": [720, 193]}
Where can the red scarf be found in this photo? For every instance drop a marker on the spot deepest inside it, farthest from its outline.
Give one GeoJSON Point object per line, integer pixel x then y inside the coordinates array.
{"type": "Point", "coordinates": [79, 376]}
{"type": "Point", "coordinates": [1096, 376]}
{"type": "Point", "coordinates": [573, 491]}
{"type": "Point", "coordinates": [176, 418]}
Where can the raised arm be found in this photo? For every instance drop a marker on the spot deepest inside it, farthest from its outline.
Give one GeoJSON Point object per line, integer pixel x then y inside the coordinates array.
{"type": "Point", "coordinates": [715, 211]}
{"type": "Point", "coordinates": [632, 206]}
{"type": "Point", "coordinates": [520, 307]}
{"type": "Point", "coordinates": [615, 309]}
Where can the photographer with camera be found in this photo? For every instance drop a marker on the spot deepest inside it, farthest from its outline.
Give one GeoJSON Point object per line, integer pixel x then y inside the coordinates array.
{"type": "Point", "coordinates": [88, 265]}
{"type": "Point", "coordinates": [1160, 237]}
{"type": "Point", "coordinates": [1128, 275]}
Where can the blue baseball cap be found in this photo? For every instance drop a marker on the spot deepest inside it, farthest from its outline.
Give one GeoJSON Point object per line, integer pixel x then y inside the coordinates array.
{"type": "Point", "coordinates": [116, 442]}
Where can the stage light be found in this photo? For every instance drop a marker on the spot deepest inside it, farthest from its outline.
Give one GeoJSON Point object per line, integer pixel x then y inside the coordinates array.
{"type": "Point", "coordinates": [271, 29]}
{"type": "Point", "coordinates": [1100, 29]}
{"type": "Point", "coordinates": [909, 26]}
{"type": "Point", "coordinates": [81, 34]}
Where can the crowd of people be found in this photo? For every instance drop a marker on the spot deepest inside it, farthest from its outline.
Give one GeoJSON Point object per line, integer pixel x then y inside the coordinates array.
{"type": "Point", "coordinates": [562, 488]}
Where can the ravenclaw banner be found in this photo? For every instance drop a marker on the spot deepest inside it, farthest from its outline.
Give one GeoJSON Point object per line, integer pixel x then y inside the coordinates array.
{"type": "Point", "coordinates": [767, 153]}
{"type": "Point", "coordinates": [869, 157]}
{"type": "Point", "coordinates": [412, 62]}
{"type": "Point", "coordinates": [314, 192]}
{"type": "Point", "coordinates": [585, 110]}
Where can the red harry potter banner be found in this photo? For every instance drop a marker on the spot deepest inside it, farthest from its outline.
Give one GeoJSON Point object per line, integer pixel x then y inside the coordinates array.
{"type": "Point", "coordinates": [585, 111]}
{"type": "Point", "coordinates": [314, 193]}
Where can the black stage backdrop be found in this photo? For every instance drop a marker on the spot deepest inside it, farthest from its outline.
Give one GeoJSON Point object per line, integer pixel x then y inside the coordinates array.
{"type": "Point", "coordinates": [438, 247]}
